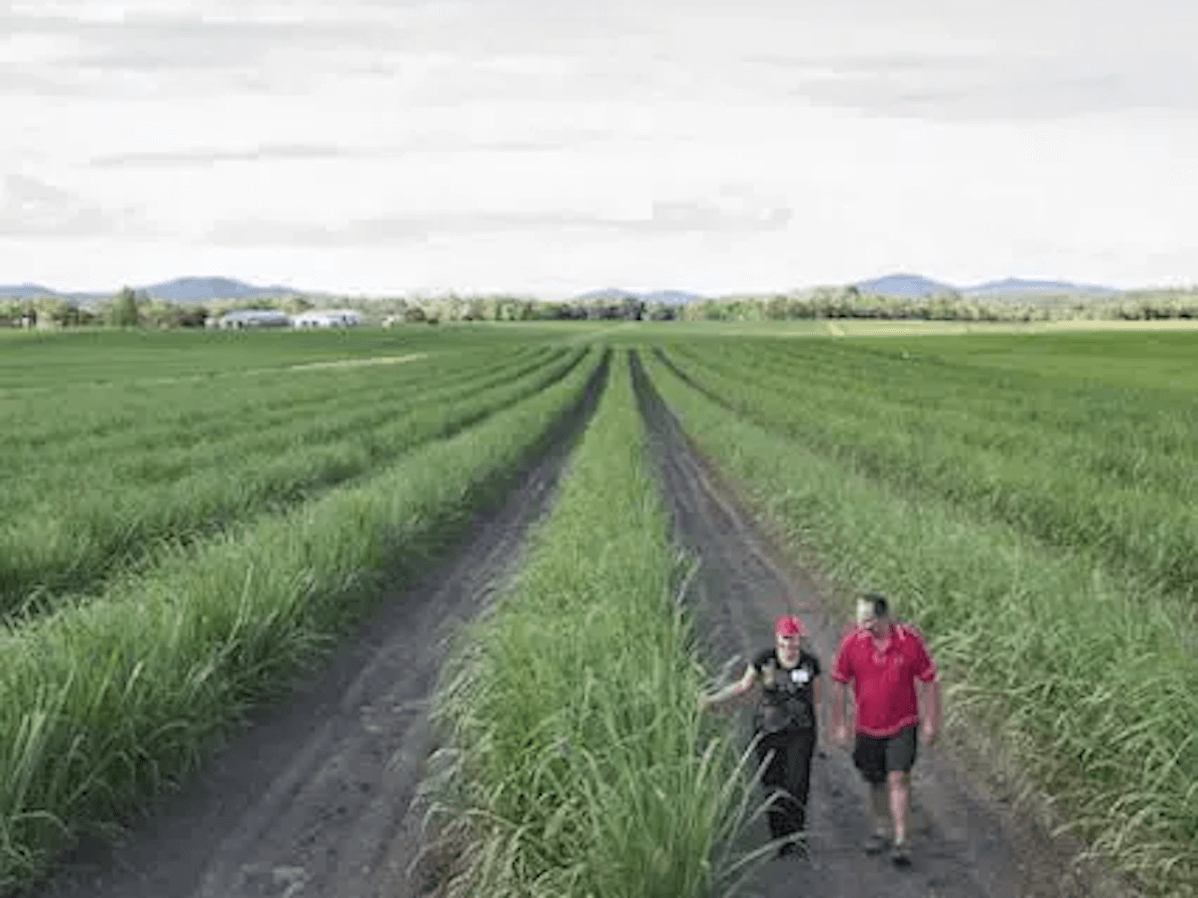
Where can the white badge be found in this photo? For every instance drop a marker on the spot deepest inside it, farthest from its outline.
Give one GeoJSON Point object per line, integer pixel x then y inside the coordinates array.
{"type": "Point", "coordinates": [800, 675]}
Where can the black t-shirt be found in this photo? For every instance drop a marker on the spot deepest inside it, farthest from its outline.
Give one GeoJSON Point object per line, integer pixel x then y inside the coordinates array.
{"type": "Point", "coordinates": [786, 699]}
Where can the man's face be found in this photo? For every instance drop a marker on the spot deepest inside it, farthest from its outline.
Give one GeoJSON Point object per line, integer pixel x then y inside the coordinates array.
{"type": "Point", "coordinates": [878, 626]}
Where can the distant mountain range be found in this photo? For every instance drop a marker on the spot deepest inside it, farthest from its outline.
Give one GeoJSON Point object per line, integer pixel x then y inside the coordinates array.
{"type": "Point", "coordinates": [184, 291]}
{"type": "Point", "coordinates": [203, 289]}
{"type": "Point", "coordinates": [193, 290]}
{"type": "Point", "coordinates": [915, 286]}
{"type": "Point", "coordinates": [33, 291]}
{"type": "Point", "coordinates": [912, 286]}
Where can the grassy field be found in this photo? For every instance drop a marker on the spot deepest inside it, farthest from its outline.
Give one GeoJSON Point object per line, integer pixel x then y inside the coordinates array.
{"type": "Point", "coordinates": [104, 485]}
{"type": "Point", "coordinates": [103, 702]}
{"type": "Point", "coordinates": [1131, 358]}
{"type": "Point", "coordinates": [652, 331]}
{"type": "Point", "coordinates": [192, 517]}
{"type": "Point", "coordinates": [70, 358]}
{"type": "Point", "coordinates": [1070, 460]}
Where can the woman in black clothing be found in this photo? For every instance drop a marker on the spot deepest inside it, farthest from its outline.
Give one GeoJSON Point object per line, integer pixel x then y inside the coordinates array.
{"type": "Point", "coordinates": [785, 724]}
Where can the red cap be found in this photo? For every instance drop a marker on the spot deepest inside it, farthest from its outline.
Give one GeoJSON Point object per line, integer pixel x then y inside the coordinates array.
{"type": "Point", "coordinates": [789, 625]}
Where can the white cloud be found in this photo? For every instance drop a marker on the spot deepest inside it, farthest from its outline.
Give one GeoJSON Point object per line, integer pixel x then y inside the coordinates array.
{"type": "Point", "coordinates": [535, 141]}
{"type": "Point", "coordinates": [730, 215]}
{"type": "Point", "coordinates": [31, 209]}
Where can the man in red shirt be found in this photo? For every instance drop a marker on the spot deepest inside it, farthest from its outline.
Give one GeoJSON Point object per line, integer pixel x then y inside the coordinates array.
{"type": "Point", "coordinates": [885, 661]}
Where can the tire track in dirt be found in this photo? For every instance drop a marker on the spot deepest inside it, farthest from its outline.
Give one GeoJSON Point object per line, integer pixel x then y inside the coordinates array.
{"type": "Point", "coordinates": [960, 849]}
{"type": "Point", "coordinates": [315, 799]}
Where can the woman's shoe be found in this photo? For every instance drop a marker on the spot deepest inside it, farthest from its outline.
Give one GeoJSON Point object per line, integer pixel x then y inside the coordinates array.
{"type": "Point", "coordinates": [796, 847]}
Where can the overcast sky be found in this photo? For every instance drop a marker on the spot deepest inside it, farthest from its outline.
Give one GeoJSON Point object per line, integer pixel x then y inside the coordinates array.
{"type": "Point", "coordinates": [551, 147]}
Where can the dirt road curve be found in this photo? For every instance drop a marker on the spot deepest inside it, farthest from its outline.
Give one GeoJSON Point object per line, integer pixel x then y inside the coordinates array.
{"type": "Point", "coordinates": [313, 801]}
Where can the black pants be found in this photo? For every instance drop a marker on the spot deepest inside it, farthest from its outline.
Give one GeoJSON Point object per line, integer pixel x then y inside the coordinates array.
{"type": "Point", "coordinates": [787, 775]}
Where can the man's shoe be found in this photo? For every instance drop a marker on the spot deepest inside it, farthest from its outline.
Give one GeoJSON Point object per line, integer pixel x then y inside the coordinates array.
{"type": "Point", "coordinates": [875, 844]}
{"type": "Point", "coordinates": [900, 856]}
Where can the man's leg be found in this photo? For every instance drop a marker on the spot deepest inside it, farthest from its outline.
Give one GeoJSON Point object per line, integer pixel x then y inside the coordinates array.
{"type": "Point", "coordinates": [900, 799]}
{"type": "Point", "coordinates": [870, 758]}
{"type": "Point", "coordinates": [900, 758]}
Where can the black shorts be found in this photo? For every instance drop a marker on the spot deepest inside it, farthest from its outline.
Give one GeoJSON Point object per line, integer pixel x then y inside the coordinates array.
{"type": "Point", "coordinates": [875, 757]}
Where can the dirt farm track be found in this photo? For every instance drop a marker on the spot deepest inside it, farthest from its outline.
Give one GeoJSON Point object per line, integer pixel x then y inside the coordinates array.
{"type": "Point", "coordinates": [315, 799]}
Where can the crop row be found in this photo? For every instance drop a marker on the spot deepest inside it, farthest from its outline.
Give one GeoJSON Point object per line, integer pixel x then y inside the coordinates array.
{"type": "Point", "coordinates": [1088, 678]}
{"type": "Point", "coordinates": [578, 763]}
{"type": "Point", "coordinates": [60, 362]}
{"type": "Point", "coordinates": [73, 538]}
{"type": "Point", "coordinates": [102, 704]}
{"type": "Point", "coordinates": [1088, 468]}
{"type": "Point", "coordinates": [115, 418]}
{"type": "Point", "coordinates": [179, 432]}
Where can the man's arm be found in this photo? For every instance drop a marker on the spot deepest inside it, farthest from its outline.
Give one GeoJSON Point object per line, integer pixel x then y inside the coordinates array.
{"type": "Point", "coordinates": [817, 698]}
{"type": "Point", "coordinates": [842, 675]}
{"type": "Point", "coordinates": [931, 703]}
{"type": "Point", "coordinates": [729, 693]}
{"type": "Point", "coordinates": [840, 732]}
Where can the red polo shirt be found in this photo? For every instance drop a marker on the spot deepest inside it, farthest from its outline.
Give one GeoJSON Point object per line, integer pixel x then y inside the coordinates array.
{"type": "Point", "coordinates": [883, 677]}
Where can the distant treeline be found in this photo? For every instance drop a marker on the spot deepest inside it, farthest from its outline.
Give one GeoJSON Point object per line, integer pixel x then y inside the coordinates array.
{"type": "Point", "coordinates": [130, 308]}
{"type": "Point", "coordinates": [848, 302]}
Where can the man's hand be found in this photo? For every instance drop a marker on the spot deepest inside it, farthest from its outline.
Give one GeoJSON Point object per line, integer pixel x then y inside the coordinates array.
{"type": "Point", "coordinates": [931, 711]}
{"type": "Point", "coordinates": [840, 735]}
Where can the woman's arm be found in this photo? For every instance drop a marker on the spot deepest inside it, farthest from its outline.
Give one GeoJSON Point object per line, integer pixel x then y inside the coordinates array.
{"type": "Point", "coordinates": [730, 692]}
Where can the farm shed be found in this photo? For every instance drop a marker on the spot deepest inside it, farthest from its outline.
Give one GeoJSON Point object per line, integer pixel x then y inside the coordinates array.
{"type": "Point", "coordinates": [328, 318]}
{"type": "Point", "coordinates": [254, 318]}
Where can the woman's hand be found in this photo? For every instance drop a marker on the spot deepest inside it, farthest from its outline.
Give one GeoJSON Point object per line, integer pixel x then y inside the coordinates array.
{"type": "Point", "coordinates": [723, 698]}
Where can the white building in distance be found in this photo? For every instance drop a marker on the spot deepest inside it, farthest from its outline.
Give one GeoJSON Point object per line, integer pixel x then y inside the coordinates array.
{"type": "Point", "coordinates": [327, 318]}
{"type": "Point", "coordinates": [244, 318]}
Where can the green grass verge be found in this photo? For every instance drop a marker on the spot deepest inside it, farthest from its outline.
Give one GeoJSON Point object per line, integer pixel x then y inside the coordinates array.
{"type": "Point", "coordinates": [103, 704]}
{"type": "Point", "coordinates": [1088, 677]}
{"type": "Point", "coordinates": [580, 765]}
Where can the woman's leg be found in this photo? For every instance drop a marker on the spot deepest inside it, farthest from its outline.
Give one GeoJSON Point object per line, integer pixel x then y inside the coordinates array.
{"type": "Point", "coordinates": [772, 752]}
{"type": "Point", "coordinates": [798, 777]}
